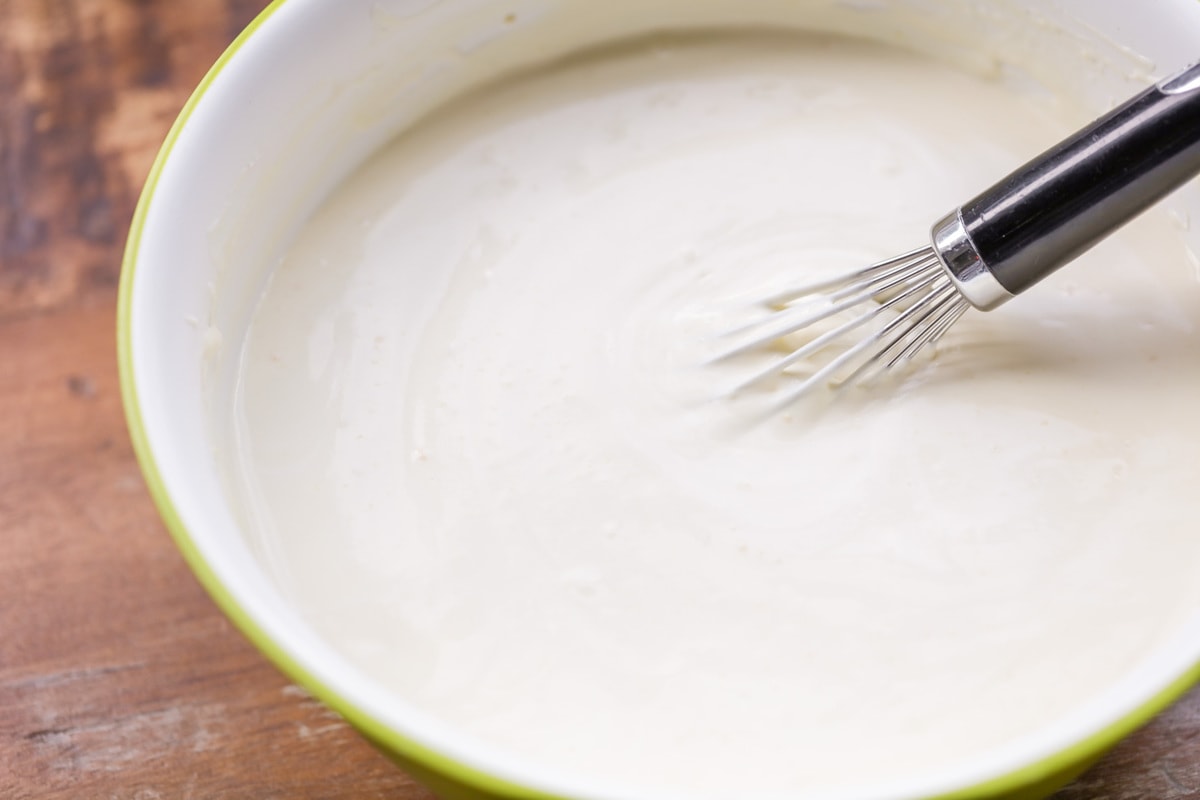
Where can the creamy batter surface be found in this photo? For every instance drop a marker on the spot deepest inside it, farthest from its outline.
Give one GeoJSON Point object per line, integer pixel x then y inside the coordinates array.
{"type": "Point", "coordinates": [479, 444]}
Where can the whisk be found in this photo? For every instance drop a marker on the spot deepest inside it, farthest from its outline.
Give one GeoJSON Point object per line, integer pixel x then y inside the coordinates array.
{"type": "Point", "coordinates": [1014, 234]}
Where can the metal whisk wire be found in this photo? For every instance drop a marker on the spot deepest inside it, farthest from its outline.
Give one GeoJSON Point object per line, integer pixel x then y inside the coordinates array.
{"type": "Point", "coordinates": [912, 288]}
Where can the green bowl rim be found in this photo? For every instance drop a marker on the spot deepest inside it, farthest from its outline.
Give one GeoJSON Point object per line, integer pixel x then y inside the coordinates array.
{"type": "Point", "coordinates": [409, 749]}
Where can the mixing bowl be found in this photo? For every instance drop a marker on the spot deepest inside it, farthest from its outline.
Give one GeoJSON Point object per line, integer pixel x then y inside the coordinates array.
{"type": "Point", "coordinates": [312, 88]}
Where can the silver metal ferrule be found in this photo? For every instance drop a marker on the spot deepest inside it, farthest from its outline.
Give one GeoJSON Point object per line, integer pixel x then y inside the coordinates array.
{"type": "Point", "coordinates": [974, 280]}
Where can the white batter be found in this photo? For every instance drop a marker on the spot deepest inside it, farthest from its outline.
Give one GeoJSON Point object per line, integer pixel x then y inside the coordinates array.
{"type": "Point", "coordinates": [481, 451]}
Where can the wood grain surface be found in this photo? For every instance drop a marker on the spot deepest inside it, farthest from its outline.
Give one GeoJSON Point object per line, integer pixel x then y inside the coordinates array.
{"type": "Point", "coordinates": [118, 676]}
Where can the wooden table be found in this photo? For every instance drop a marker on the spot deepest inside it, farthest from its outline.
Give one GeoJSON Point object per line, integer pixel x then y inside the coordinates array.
{"type": "Point", "coordinates": [118, 676]}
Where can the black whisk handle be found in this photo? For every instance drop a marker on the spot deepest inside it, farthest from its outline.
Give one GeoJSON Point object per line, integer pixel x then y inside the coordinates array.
{"type": "Point", "coordinates": [1060, 204]}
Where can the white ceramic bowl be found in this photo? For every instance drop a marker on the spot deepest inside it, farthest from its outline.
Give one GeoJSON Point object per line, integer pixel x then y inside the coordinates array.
{"type": "Point", "coordinates": [312, 88]}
